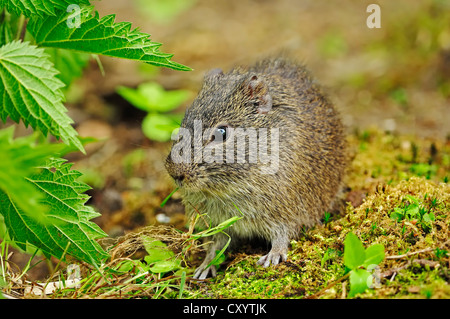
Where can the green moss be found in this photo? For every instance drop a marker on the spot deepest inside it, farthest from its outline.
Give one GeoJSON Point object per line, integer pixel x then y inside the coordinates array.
{"type": "Point", "coordinates": [383, 169]}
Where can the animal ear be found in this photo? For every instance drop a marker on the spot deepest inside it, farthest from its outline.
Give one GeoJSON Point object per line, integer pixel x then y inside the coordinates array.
{"type": "Point", "coordinates": [213, 74]}
{"type": "Point", "coordinates": [257, 91]}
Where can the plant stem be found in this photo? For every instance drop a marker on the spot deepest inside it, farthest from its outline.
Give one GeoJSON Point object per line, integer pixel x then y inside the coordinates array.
{"type": "Point", "coordinates": [21, 28]}
{"type": "Point", "coordinates": [317, 294]}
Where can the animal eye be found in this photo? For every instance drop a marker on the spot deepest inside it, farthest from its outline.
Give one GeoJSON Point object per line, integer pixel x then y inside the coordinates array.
{"type": "Point", "coordinates": [221, 133]}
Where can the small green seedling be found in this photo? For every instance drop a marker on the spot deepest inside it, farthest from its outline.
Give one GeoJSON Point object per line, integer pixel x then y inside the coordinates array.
{"type": "Point", "coordinates": [151, 97]}
{"type": "Point", "coordinates": [423, 169]}
{"type": "Point", "coordinates": [361, 263]}
{"type": "Point", "coordinates": [414, 211]}
{"type": "Point", "coordinates": [160, 258]}
{"type": "Point", "coordinates": [440, 253]}
{"type": "Point", "coordinates": [326, 218]}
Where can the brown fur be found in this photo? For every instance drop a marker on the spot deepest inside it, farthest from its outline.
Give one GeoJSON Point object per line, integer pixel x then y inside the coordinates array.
{"type": "Point", "coordinates": [312, 156]}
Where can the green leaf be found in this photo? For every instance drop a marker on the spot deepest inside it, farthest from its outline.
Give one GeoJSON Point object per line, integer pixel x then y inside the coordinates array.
{"type": "Point", "coordinates": [429, 218]}
{"type": "Point", "coordinates": [412, 199]}
{"type": "Point", "coordinates": [159, 127]}
{"type": "Point", "coordinates": [412, 210]}
{"type": "Point", "coordinates": [354, 253]}
{"type": "Point", "coordinates": [134, 97]}
{"type": "Point", "coordinates": [159, 256]}
{"type": "Point", "coordinates": [18, 160]}
{"type": "Point", "coordinates": [124, 266]}
{"type": "Point", "coordinates": [87, 32]}
{"type": "Point", "coordinates": [30, 91]}
{"type": "Point", "coordinates": [6, 33]}
{"type": "Point", "coordinates": [374, 255]}
{"type": "Point", "coordinates": [358, 281]}
{"type": "Point", "coordinates": [151, 96]}
{"type": "Point", "coordinates": [156, 250]}
{"type": "Point", "coordinates": [217, 229]}
{"type": "Point", "coordinates": [41, 8]}
{"type": "Point", "coordinates": [69, 218]}
{"type": "Point", "coordinates": [163, 203]}
{"type": "Point", "coordinates": [165, 266]}
{"type": "Point", "coordinates": [220, 256]}
{"type": "Point", "coordinates": [397, 214]}
{"type": "Point", "coordinates": [70, 64]}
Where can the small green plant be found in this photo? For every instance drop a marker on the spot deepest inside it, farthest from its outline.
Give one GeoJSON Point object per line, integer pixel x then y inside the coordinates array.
{"type": "Point", "coordinates": [151, 97]}
{"type": "Point", "coordinates": [326, 218]}
{"type": "Point", "coordinates": [159, 260]}
{"type": "Point", "coordinates": [210, 231]}
{"type": "Point", "coordinates": [422, 169]}
{"type": "Point", "coordinates": [415, 212]}
{"type": "Point", "coordinates": [330, 254]}
{"type": "Point", "coordinates": [361, 263]}
{"type": "Point", "coordinates": [440, 253]}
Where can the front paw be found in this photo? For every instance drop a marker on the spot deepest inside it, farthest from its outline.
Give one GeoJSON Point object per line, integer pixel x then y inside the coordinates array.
{"type": "Point", "coordinates": [202, 272]}
{"type": "Point", "coordinates": [273, 257]}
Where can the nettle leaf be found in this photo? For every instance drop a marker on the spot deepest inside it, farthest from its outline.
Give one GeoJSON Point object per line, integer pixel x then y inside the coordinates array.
{"type": "Point", "coordinates": [18, 159]}
{"type": "Point", "coordinates": [40, 8]}
{"type": "Point", "coordinates": [30, 91]}
{"type": "Point", "coordinates": [86, 32]}
{"type": "Point", "coordinates": [68, 227]}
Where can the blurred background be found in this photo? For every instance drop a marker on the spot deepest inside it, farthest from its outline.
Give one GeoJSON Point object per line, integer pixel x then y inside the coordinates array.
{"type": "Point", "coordinates": [394, 77]}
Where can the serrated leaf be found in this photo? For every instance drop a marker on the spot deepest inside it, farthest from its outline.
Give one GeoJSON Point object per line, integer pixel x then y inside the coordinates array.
{"type": "Point", "coordinates": [87, 32]}
{"type": "Point", "coordinates": [18, 159]}
{"type": "Point", "coordinates": [69, 218]}
{"type": "Point", "coordinates": [354, 252]}
{"type": "Point", "coordinates": [30, 91]}
{"type": "Point", "coordinates": [40, 8]}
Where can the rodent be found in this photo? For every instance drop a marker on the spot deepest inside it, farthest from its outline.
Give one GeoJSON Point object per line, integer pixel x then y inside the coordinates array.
{"type": "Point", "coordinates": [274, 93]}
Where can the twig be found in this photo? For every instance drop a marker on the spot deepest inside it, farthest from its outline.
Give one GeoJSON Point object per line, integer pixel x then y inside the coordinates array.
{"type": "Point", "coordinates": [422, 262]}
{"type": "Point", "coordinates": [410, 254]}
{"type": "Point", "coordinates": [317, 294]}
{"type": "Point", "coordinates": [416, 252]}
